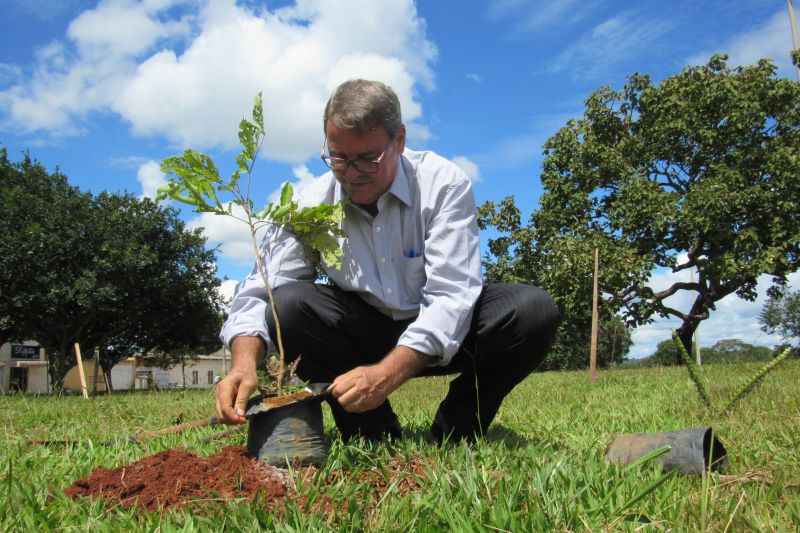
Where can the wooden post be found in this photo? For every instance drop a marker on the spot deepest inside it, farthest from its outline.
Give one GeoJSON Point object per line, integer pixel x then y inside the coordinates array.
{"type": "Point", "coordinates": [80, 371]}
{"type": "Point", "coordinates": [593, 346]}
{"type": "Point", "coordinates": [795, 33]}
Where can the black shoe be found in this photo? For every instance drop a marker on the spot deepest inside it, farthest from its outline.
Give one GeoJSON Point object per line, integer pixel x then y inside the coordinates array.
{"type": "Point", "coordinates": [374, 426]}
{"type": "Point", "coordinates": [444, 431]}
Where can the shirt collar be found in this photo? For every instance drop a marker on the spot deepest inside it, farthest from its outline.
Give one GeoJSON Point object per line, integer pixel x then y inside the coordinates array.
{"type": "Point", "coordinates": [399, 187]}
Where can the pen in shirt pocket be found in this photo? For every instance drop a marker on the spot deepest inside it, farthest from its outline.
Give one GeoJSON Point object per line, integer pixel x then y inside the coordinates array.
{"type": "Point", "coordinates": [411, 253]}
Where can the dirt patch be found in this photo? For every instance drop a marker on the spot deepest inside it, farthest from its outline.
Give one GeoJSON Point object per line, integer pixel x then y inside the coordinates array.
{"type": "Point", "coordinates": [178, 478]}
{"type": "Point", "coordinates": [174, 478]}
{"type": "Point", "coordinates": [285, 399]}
{"type": "Point", "coordinates": [403, 475]}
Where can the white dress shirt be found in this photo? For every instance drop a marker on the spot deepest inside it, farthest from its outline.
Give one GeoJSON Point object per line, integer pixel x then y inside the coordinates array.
{"type": "Point", "coordinates": [418, 257]}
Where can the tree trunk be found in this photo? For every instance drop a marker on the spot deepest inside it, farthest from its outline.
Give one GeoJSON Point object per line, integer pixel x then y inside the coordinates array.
{"type": "Point", "coordinates": [59, 361]}
{"type": "Point", "coordinates": [109, 383]}
{"type": "Point", "coordinates": [5, 336]}
{"type": "Point", "coordinates": [687, 329]}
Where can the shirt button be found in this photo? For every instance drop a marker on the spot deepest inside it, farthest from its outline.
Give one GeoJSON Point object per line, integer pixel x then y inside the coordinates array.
{"type": "Point", "coordinates": [383, 259]}
{"type": "Point", "coordinates": [389, 291]}
{"type": "Point", "coordinates": [378, 229]}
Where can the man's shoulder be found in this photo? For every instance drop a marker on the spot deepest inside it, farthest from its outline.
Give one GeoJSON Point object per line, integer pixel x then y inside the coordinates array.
{"type": "Point", "coordinates": [434, 170]}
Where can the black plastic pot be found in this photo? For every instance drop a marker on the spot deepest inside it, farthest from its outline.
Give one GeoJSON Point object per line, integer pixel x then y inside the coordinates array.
{"type": "Point", "coordinates": [692, 451]}
{"type": "Point", "coordinates": [289, 434]}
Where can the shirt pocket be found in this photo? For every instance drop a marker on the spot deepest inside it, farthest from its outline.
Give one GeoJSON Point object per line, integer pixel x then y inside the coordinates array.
{"type": "Point", "coordinates": [412, 276]}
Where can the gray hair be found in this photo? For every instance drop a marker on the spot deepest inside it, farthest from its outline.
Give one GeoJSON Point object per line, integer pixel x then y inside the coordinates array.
{"type": "Point", "coordinates": [363, 105]}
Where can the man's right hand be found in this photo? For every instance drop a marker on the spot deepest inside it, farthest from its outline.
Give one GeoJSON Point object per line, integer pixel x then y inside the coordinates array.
{"type": "Point", "coordinates": [235, 389]}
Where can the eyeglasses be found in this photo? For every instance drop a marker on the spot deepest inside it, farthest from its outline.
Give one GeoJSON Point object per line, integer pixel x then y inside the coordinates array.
{"type": "Point", "coordinates": [341, 164]}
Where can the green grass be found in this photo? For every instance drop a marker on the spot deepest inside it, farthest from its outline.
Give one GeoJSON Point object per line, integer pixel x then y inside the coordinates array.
{"type": "Point", "coordinates": [539, 469]}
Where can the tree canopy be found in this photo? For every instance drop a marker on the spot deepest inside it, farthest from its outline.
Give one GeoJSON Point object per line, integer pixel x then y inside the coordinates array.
{"type": "Point", "coordinates": [781, 314]}
{"type": "Point", "coordinates": [698, 172]}
{"type": "Point", "coordinates": [112, 272]}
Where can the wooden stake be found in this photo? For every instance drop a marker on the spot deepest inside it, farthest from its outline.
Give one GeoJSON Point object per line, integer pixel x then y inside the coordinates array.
{"type": "Point", "coordinates": [593, 346]}
{"type": "Point", "coordinates": [80, 371]}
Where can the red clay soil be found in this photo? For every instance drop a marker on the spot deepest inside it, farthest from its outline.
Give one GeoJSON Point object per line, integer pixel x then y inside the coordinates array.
{"type": "Point", "coordinates": [174, 478]}
{"type": "Point", "coordinates": [177, 478]}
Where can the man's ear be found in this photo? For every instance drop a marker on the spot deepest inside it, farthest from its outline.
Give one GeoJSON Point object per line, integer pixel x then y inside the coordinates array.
{"type": "Point", "coordinates": [401, 138]}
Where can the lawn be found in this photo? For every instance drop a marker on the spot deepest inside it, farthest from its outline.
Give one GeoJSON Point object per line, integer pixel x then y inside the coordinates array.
{"type": "Point", "coordinates": [540, 468]}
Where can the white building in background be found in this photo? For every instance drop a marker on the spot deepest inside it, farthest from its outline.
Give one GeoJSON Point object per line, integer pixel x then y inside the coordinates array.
{"type": "Point", "coordinates": [23, 368]}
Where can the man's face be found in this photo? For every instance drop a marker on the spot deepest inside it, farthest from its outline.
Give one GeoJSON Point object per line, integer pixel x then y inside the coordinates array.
{"type": "Point", "coordinates": [365, 188]}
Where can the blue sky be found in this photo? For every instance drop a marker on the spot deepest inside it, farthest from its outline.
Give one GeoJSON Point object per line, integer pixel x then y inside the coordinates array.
{"type": "Point", "coordinates": [105, 90]}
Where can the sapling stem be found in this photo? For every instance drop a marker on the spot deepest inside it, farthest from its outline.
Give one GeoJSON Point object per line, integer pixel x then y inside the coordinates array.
{"type": "Point", "coordinates": [197, 183]}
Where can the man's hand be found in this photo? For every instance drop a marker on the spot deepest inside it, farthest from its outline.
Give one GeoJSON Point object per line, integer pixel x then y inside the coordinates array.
{"type": "Point", "coordinates": [366, 387]}
{"type": "Point", "coordinates": [235, 389]}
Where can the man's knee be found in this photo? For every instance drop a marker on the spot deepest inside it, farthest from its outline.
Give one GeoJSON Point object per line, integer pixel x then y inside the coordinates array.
{"type": "Point", "coordinates": [538, 320]}
{"type": "Point", "coordinates": [539, 314]}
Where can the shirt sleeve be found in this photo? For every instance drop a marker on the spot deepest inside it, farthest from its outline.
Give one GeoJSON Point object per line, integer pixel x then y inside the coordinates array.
{"type": "Point", "coordinates": [285, 261]}
{"type": "Point", "coordinates": [453, 271]}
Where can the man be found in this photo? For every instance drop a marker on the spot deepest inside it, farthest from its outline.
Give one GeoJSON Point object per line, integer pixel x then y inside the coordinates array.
{"type": "Point", "coordinates": [408, 299]}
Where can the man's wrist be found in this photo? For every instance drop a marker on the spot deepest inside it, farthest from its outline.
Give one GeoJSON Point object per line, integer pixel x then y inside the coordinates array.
{"type": "Point", "coordinates": [246, 351]}
{"type": "Point", "coordinates": [402, 364]}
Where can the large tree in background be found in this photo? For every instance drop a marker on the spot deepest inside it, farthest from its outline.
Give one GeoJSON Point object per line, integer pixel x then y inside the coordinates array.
{"type": "Point", "coordinates": [781, 314]}
{"type": "Point", "coordinates": [105, 271]}
{"type": "Point", "coordinates": [164, 279]}
{"type": "Point", "coordinates": [34, 253]}
{"type": "Point", "coordinates": [698, 172]}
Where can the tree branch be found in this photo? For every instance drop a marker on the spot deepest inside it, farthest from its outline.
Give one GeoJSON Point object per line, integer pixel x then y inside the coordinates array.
{"type": "Point", "coordinates": [675, 288]}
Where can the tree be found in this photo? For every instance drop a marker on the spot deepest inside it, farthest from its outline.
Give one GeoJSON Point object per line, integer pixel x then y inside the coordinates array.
{"type": "Point", "coordinates": [699, 172]}
{"type": "Point", "coordinates": [166, 280]}
{"type": "Point", "coordinates": [666, 353]}
{"type": "Point", "coordinates": [99, 271]}
{"type": "Point", "coordinates": [781, 314]}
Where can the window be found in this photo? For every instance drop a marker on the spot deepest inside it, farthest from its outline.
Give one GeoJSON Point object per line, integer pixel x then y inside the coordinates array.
{"type": "Point", "coordinates": [210, 377]}
{"type": "Point", "coordinates": [195, 377]}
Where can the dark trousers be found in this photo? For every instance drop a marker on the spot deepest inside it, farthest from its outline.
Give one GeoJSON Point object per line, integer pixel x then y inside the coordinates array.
{"type": "Point", "coordinates": [333, 331]}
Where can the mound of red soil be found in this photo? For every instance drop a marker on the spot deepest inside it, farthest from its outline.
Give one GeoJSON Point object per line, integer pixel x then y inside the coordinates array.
{"type": "Point", "coordinates": [175, 478]}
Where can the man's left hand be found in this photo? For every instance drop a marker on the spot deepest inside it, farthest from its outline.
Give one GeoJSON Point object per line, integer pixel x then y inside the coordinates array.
{"type": "Point", "coordinates": [362, 389]}
{"type": "Point", "coordinates": [366, 387]}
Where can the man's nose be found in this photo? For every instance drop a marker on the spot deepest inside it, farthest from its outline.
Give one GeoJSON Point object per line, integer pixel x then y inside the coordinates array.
{"type": "Point", "coordinates": [351, 171]}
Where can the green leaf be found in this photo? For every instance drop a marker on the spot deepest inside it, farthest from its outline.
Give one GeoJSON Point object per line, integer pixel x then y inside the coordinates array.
{"type": "Point", "coordinates": [258, 113]}
{"type": "Point", "coordinates": [286, 193]}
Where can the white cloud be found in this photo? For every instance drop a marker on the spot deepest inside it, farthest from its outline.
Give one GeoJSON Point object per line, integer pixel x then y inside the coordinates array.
{"type": "Point", "coordinates": [772, 39]}
{"type": "Point", "coordinates": [474, 77]}
{"type": "Point", "coordinates": [734, 317]}
{"type": "Point", "coordinates": [123, 57]}
{"type": "Point", "coordinates": [469, 167]}
{"type": "Point", "coordinates": [531, 16]}
{"type": "Point", "coordinates": [612, 42]}
{"type": "Point", "coordinates": [304, 179]}
{"type": "Point", "coordinates": [130, 161]}
{"type": "Point", "coordinates": [227, 289]}
{"type": "Point", "coordinates": [151, 179]}
{"type": "Point", "coordinates": [96, 32]}
{"type": "Point", "coordinates": [232, 235]}
{"type": "Point", "coordinates": [9, 73]}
